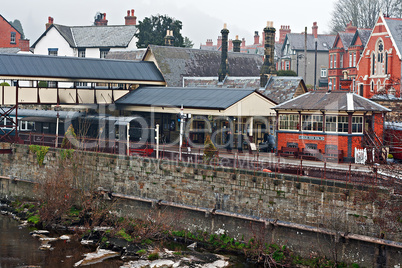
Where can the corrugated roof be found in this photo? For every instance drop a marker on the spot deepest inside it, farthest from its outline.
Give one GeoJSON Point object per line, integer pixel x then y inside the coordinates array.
{"type": "Point", "coordinates": [176, 63]}
{"type": "Point", "coordinates": [95, 36]}
{"type": "Point", "coordinates": [136, 55]}
{"type": "Point", "coordinates": [334, 101]}
{"type": "Point", "coordinates": [282, 88]}
{"type": "Point", "coordinates": [207, 98]}
{"type": "Point", "coordinates": [36, 66]}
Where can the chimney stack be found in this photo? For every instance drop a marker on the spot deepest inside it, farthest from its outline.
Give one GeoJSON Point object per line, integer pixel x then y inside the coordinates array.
{"type": "Point", "coordinates": [315, 29]}
{"type": "Point", "coordinates": [268, 68]}
{"type": "Point", "coordinates": [224, 67]}
{"type": "Point", "coordinates": [256, 38]}
{"type": "Point", "coordinates": [236, 44]}
{"type": "Point", "coordinates": [24, 45]}
{"type": "Point", "coordinates": [100, 19]}
{"type": "Point", "coordinates": [350, 28]}
{"type": "Point", "coordinates": [283, 32]}
{"type": "Point", "coordinates": [219, 43]}
{"type": "Point", "coordinates": [243, 42]}
{"type": "Point", "coordinates": [209, 43]}
{"type": "Point", "coordinates": [130, 20]}
{"type": "Point", "coordinates": [50, 22]}
{"type": "Point", "coordinates": [169, 38]}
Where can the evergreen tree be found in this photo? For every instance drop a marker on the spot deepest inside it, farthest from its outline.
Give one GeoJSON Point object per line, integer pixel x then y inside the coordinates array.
{"type": "Point", "coordinates": [152, 31]}
{"type": "Point", "coordinates": [17, 25]}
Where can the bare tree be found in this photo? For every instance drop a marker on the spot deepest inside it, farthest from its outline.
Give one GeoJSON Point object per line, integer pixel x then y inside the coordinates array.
{"type": "Point", "coordinates": [362, 13]}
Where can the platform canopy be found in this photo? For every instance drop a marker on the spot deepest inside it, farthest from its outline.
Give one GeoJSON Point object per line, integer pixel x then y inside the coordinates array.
{"type": "Point", "coordinates": [73, 69]}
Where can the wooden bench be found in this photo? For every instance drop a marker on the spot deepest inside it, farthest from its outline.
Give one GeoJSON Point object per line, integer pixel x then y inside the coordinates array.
{"type": "Point", "coordinates": [142, 152]}
{"type": "Point", "coordinates": [311, 154]}
{"type": "Point", "coordinates": [289, 152]}
{"type": "Point", "coordinates": [333, 154]}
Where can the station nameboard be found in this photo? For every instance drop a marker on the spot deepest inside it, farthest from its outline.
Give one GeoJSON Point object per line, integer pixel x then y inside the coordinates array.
{"type": "Point", "coordinates": [313, 138]}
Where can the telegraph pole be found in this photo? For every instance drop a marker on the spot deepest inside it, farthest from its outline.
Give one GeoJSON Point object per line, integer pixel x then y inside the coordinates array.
{"type": "Point", "coordinates": [181, 130]}
{"type": "Point", "coordinates": [305, 55]}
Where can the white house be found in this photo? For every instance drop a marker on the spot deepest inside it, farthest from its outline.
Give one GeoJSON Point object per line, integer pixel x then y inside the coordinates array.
{"type": "Point", "coordinates": [87, 41]}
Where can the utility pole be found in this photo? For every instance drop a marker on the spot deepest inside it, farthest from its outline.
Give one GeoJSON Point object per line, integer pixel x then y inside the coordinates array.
{"type": "Point", "coordinates": [157, 141]}
{"type": "Point", "coordinates": [305, 55]}
{"type": "Point", "coordinates": [181, 130]}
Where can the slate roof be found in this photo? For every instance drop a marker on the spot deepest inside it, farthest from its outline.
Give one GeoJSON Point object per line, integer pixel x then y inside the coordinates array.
{"type": "Point", "coordinates": [94, 36]}
{"type": "Point", "coordinates": [36, 66]}
{"type": "Point", "coordinates": [9, 50]}
{"type": "Point", "coordinates": [324, 42]}
{"type": "Point", "coordinates": [395, 27]}
{"type": "Point", "coordinates": [229, 82]}
{"type": "Point", "coordinates": [333, 101]}
{"type": "Point", "coordinates": [364, 35]}
{"type": "Point", "coordinates": [282, 88]}
{"type": "Point", "coordinates": [177, 62]}
{"type": "Point", "coordinates": [204, 98]}
{"type": "Point", "coordinates": [136, 55]}
{"type": "Point", "coordinates": [346, 39]}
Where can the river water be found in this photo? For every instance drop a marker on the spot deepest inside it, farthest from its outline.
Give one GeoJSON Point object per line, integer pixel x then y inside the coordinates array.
{"type": "Point", "coordinates": [19, 249]}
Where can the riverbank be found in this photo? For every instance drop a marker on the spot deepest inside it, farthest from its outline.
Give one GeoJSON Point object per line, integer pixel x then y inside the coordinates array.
{"type": "Point", "coordinates": [135, 243]}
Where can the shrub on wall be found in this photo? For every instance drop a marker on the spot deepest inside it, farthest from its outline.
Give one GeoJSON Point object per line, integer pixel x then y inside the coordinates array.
{"type": "Point", "coordinates": [40, 152]}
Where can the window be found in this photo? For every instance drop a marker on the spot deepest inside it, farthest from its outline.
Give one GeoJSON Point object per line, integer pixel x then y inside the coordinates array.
{"type": "Point", "coordinates": [335, 61]}
{"type": "Point", "coordinates": [386, 62]}
{"type": "Point", "coordinates": [12, 38]}
{"type": "Point", "coordinates": [287, 65]}
{"type": "Point", "coordinates": [354, 59]}
{"type": "Point", "coordinates": [372, 86]}
{"type": "Point", "coordinates": [343, 124]}
{"type": "Point", "coordinates": [357, 124]}
{"type": "Point", "coordinates": [350, 59]}
{"type": "Point", "coordinates": [312, 122]}
{"type": "Point", "coordinates": [330, 123]}
{"type": "Point", "coordinates": [81, 52]}
{"type": "Point", "coordinates": [340, 60]}
{"type": "Point", "coordinates": [288, 121]}
{"type": "Point", "coordinates": [372, 64]}
{"type": "Point", "coordinates": [323, 72]}
{"type": "Point", "coordinates": [331, 61]}
{"type": "Point", "coordinates": [53, 51]}
{"type": "Point", "coordinates": [25, 125]}
{"type": "Point", "coordinates": [103, 52]}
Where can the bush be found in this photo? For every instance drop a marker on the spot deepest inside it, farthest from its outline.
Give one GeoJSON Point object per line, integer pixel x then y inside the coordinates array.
{"type": "Point", "coordinates": [4, 84]}
{"type": "Point", "coordinates": [286, 73]}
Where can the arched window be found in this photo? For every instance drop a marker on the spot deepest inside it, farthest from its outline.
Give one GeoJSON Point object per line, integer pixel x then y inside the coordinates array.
{"type": "Point", "coordinates": [386, 62]}
{"type": "Point", "coordinates": [380, 57]}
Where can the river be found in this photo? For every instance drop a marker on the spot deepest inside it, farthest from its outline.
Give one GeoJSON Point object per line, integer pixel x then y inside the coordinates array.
{"type": "Point", "coordinates": [19, 249]}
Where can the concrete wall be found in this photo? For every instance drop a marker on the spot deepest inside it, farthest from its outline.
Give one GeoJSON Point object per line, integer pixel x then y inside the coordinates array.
{"type": "Point", "coordinates": [287, 209]}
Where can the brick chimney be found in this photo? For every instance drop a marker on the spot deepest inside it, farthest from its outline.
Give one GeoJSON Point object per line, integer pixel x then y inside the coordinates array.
{"type": "Point", "coordinates": [219, 43]}
{"type": "Point", "coordinates": [350, 28]}
{"type": "Point", "coordinates": [256, 38]}
{"type": "Point", "coordinates": [224, 67]}
{"type": "Point", "coordinates": [285, 29]}
{"type": "Point", "coordinates": [100, 19]}
{"type": "Point", "coordinates": [169, 38]}
{"type": "Point", "coordinates": [315, 29]}
{"type": "Point", "coordinates": [130, 20]}
{"type": "Point", "coordinates": [243, 42]}
{"type": "Point", "coordinates": [49, 23]}
{"type": "Point", "coordinates": [24, 45]}
{"type": "Point", "coordinates": [236, 44]}
{"type": "Point", "coordinates": [209, 43]}
{"type": "Point", "coordinates": [230, 45]}
{"type": "Point", "coordinates": [268, 68]}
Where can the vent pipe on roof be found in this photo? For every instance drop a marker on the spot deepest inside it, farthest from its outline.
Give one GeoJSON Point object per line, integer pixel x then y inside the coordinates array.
{"type": "Point", "coordinates": [224, 67]}
{"type": "Point", "coordinates": [268, 68]}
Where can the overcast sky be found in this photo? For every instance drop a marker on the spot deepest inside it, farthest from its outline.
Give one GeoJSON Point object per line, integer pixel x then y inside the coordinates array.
{"type": "Point", "coordinates": [201, 19]}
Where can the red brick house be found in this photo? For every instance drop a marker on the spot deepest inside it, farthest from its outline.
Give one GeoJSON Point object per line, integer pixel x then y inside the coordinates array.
{"type": "Point", "coordinates": [344, 56]}
{"type": "Point", "coordinates": [336, 120]}
{"type": "Point", "coordinates": [11, 37]}
{"type": "Point", "coordinates": [379, 69]}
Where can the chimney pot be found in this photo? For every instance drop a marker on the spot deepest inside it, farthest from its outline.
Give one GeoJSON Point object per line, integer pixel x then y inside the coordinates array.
{"type": "Point", "coordinates": [128, 13]}
{"type": "Point", "coordinates": [315, 29]}
{"type": "Point", "coordinates": [132, 12]}
{"type": "Point", "coordinates": [225, 26]}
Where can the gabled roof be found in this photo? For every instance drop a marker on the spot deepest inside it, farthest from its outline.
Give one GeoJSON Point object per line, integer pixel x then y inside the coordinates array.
{"type": "Point", "coordinates": [35, 67]}
{"type": "Point", "coordinates": [394, 27]}
{"type": "Point", "coordinates": [283, 88]}
{"type": "Point", "coordinates": [346, 39]}
{"type": "Point", "coordinates": [94, 36]}
{"type": "Point", "coordinates": [136, 55]}
{"type": "Point", "coordinates": [333, 101]}
{"type": "Point", "coordinates": [364, 35]}
{"type": "Point", "coordinates": [204, 98]}
{"type": "Point", "coordinates": [177, 62]}
{"type": "Point", "coordinates": [229, 82]}
{"type": "Point", "coordinates": [296, 41]}
{"type": "Point", "coordinates": [10, 24]}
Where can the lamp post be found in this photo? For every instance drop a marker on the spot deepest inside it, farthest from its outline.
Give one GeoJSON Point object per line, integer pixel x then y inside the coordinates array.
{"type": "Point", "coordinates": [57, 108]}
